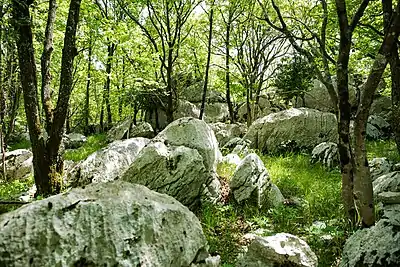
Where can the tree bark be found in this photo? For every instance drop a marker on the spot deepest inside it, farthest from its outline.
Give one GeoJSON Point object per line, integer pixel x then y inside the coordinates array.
{"type": "Point", "coordinates": [170, 95]}
{"type": "Point", "coordinates": [2, 101]}
{"type": "Point", "coordinates": [45, 64]}
{"type": "Point", "coordinates": [87, 99]}
{"type": "Point", "coordinates": [47, 160]}
{"type": "Point", "coordinates": [210, 32]}
{"type": "Point", "coordinates": [227, 72]}
{"type": "Point", "coordinates": [106, 93]}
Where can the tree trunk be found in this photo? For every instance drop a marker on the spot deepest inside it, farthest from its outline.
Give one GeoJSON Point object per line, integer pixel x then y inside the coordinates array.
{"type": "Point", "coordinates": [47, 160]}
{"type": "Point", "coordinates": [111, 50]}
{"type": "Point", "coordinates": [170, 95]}
{"type": "Point", "coordinates": [248, 105]}
{"type": "Point", "coordinates": [2, 101]}
{"type": "Point", "coordinates": [227, 72]}
{"type": "Point", "coordinates": [45, 64]}
{"type": "Point", "coordinates": [203, 102]}
{"type": "Point", "coordinates": [87, 99]}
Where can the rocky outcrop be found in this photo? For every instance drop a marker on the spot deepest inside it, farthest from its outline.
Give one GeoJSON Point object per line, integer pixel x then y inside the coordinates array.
{"type": "Point", "coordinates": [250, 183]}
{"type": "Point", "coordinates": [278, 250]}
{"type": "Point", "coordinates": [379, 167]}
{"type": "Point", "coordinates": [215, 112]}
{"type": "Point", "coordinates": [327, 154]}
{"type": "Point", "coordinates": [119, 131]}
{"type": "Point", "coordinates": [106, 164]}
{"type": "Point", "coordinates": [74, 140]}
{"type": "Point", "coordinates": [18, 164]}
{"type": "Point", "coordinates": [292, 129]}
{"type": "Point", "coordinates": [377, 128]}
{"type": "Point", "coordinates": [141, 129]}
{"type": "Point", "coordinates": [107, 224]}
{"type": "Point", "coordinates": [381, 106]}
{"type": "Point", "coordinates": [225, 132]}
{"type": "Point", "coordinates": [387, 183]}
{"type": "Point", "coordinates": [177, 171]}
{"type": "Point", "coordinates": [375, 246]}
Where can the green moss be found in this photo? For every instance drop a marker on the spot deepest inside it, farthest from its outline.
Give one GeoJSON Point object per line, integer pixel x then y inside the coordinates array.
{"type": "Point", "coordinates": [94, 143]}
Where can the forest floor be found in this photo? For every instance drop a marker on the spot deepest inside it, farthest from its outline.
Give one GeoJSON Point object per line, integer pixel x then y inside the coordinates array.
{"type": "Point", "coordinates": [319, 219]}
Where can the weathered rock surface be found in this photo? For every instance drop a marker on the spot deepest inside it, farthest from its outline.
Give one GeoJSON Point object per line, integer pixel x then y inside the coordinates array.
{"type": "Point", "coordinates": [292, 129]}
{"type": "Point", "coordinates": [196, 134]}
{"type": "Point", "coordinates": [18, 164]}
{"type": "Point", "coordinates": [387, 183]}
{"type": "Point", "coordinates": [108, 163]}
{"type": "Point", "coordinates": [232, 159]}
{"type": "Point", "coordinates": [177, 171]}
{"type": "Point", "coordinates": [141, 129]}
{"type": "Point", "coordinates": [278, 250]}
{"type": "Point", "coordinates": [326, 153]}
{"type": "Point", "coordinates": [379, 167]}
{"type": "Point", "coordinates": [376, 246]}
{"type": "Point", "coordinates": [250, 183]}
{"type": "Point", "coordinates": [377, 128]}
{"type": "Point", "coordinates": [119, 131]}
{"type": "Point", "coordinates": [215, 112]}
{"type": "Point", "coordinates": [226, 132]}
{"type": "Point", "coordinates": [107, 224]}
{"type": "Point", "coordinates": [381, 106]}
{"type": "Point", "coordinates": [74, 140]}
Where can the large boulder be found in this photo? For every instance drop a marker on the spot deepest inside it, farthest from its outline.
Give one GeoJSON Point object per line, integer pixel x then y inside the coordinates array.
{"type": "Point", "coordinates": [381, 106]}
{"type": "Point", "coordinates": [375, 246]}
{"type": "Point", "coordinates": [379, 167]}
{"type": "Point", "coordinates": [119, 131]}
{"type": "Point", "coordinates": [278, 250]}
{"type": "Point", "coordinates": [106, 164]}
{"type": "Point", "coordinates": [74, 140]}
{"type": "Point", "coordinates": [177, 171]}
{"type": "Point", "coordinates": [377, 128]}
{"type": "Point", "coordinates": [225, 132]}
{"type": "Point", "coordinates": [196, 134]}
{"type": "Point", "coordinates": [108, 224]}
{"type": "Point", "coordinates": [18, 164]}
{"type": "Point", "coordinates": [327, 154]}
{"type": "Point", "coordinates": [215, 112]}
{"type": "Point", "coordinates": [141, 129]}
{"type": "Point", "coordinates": [250, 183]}
{"type": "Point", "coordinates": [387, 183]}
{"type": "Point", "coordinates": [292, 129]}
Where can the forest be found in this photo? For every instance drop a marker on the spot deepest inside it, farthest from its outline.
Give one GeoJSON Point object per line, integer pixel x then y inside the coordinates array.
{"type": "Point", "coordinates": [199, 133]}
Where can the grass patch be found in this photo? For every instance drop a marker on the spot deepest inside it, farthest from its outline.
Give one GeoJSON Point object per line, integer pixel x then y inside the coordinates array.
{"type": "Point", "coordinates": [94, 143]}
{"type": "Point", "coordinates": [225, 170]}
{"type": "Point", "coordinates": [24, 144]}
{"type": "Point", "coordinates": [383, 149]}
{"type": "Point", "coordinates": [11, 190]}
{"type": "Point", "coordinates": [318, 219]}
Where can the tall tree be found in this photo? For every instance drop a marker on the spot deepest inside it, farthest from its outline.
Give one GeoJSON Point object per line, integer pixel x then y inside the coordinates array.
{"type": "Point", "coordinates": [47, 155]}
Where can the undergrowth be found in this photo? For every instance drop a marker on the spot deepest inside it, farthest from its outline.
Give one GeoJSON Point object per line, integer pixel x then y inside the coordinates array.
{"type": "Point", "coordinates": [11, 190]}
{"type": "Point", "coordinates": [383, 149]}
{"type": "Point", "coordinates": [94, 143]}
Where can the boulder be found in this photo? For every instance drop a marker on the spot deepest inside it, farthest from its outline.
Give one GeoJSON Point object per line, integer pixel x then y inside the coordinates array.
{"type": "Point", "coordinates": [381, 106]}
{"type": "Point", "coordinates": [377, 128]}
{"type": "Point", "coordinates": [388, 198]}
{"type": "Point", "coordinates": [379, 167]}
{"type": "Point", "coordinates": [264, 109]}
{"type": "Point", "coordinates": [74, 140]}
{"type": "Point", "coordinates": [106, 164]}
{"type": "Point", "coordinates": [250, 183]}
{"type": "Point", "coordinates": [18, 164]}
{"type": "Point", "coordinates": [119, 131]}
{"type": "Point", "coordinates": [278, 250]}
{"type": "Point", "coordinates": [375, 246]}
{"type": "Point", "coordinates": [327, 154]}
{"type": "Point", "coordinates": [141, 129]}
{"type": "Point", "coordinates": [215, 112]}
{"type": "Point", "coordinates": [194, 94]}
{"type": "Point", "coordinates": [317, 97]}
{"type": "Point", "coordinates": [292, 129]}
{"type": "Point", "coordinates": [177, 171]}
{"type": "Point", "coordinates": [387, 183]}
{"type": "Point", "coordinates": [225, 132]}
{"type": "Point", "coordinates": [234, 142]}
{"type": "Point", "coordinates": [232, 159]}
{"type": "Point", "coordinates": [196, 134]}
{"type": "Point", "coordinates": [107, 224]}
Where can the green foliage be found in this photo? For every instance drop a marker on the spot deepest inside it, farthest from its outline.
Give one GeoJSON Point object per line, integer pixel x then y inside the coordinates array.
{"type": "Point", "coordinates": [225, 170]}
{"type": "Point", "coordinates": [11, 190]}
{"type": "Point", "coordinates": [93, 144]}
{"type": "Point", "coordinates": [294, 77]}
{"type": "Point", "coordinates": [383, 149]}
{"type": "Point", "coordinates": [23, 144]}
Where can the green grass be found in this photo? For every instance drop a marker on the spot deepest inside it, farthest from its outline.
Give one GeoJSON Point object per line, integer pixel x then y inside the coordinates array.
{"type": "Point", "coordinates": [10, 190]}
{"type": "Point", "coordinates": [94, 143]}
{"type": "Point", "coordinates": [383, 149]}
{"type": "Point", "coordinates": [25, 144]}
{"type": "Point", "coordinates": [319, 192]}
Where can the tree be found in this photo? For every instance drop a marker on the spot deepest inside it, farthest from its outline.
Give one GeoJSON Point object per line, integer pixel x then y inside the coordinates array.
{"type": "Point", "coordinates": [46, 143]}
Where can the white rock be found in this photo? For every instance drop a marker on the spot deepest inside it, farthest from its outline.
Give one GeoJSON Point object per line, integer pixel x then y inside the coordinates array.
{"type": "Point", "coordinates": [326, 153]}
{"type": "Point", "coordinates": [119, 131]}
{"type": "Point", "coordinates": [18, 164]}
{"type": "Point", "coordinates": [379, 167]}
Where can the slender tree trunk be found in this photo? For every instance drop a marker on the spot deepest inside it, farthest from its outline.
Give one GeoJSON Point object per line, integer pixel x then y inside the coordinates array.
{"type": "Point", "coordinates": [120, 102]}
{"type": "Point", "coordinates": [248, 105]}
{"type": "Point", "coordinates": [47, 159]}
{"type": "Point", "coordinates": [227, 72]}
{"type": "Point", "coordinates": [87, 99]}
{"type": "Point", "coordinates": [203, 102]}
{"type": "Point", "coordinates": [45, 64]}
{"type": "Point", "coordinates": [111, 50]}
{"type": "Point", "coordinates": [170, 95]}
{"type": "Point", "coordinates": [2, 101]}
